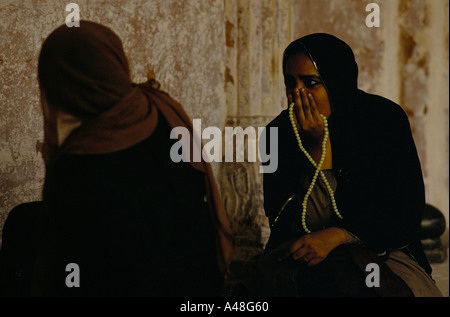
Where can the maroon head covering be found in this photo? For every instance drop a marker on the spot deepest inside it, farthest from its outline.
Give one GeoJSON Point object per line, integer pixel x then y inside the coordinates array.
{"type": "Point", "coordinates": [83, 71]}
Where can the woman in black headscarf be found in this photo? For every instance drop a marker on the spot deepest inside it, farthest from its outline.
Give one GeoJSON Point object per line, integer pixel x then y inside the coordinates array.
{"type": "Point", "coordinates": [348, 190]}
{"type": "Point", "coordinates": [132, 221]}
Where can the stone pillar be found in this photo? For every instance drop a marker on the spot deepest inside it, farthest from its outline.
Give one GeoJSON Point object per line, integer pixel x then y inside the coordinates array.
{"type": "Point", "coordinates": [257, 31]}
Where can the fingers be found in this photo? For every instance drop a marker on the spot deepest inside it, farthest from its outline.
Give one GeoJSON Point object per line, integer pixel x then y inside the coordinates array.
{"type": "Point", "coordinates": [300, 255]}
{"type": "Point", "coordinates": [297, 251]}
{"type": "Point", "coordinates": [306, 256]}
{"type": "Point", "coordinates": [313, 108]}
{"type": "Point", "coordinates": [298, 108]}
{"type": "Point", "coordinates": [306, 107]}
{"type": "Point", "coordinates": [293, 247]}
{"type": "Point", "coordinates": [314, 261]}
{"type": "Point", "coordinates": [302, 108]}
{"type": "Point", "coordinates": [307, 113]}
{"type": "Point", "coordinates": [303, 251]}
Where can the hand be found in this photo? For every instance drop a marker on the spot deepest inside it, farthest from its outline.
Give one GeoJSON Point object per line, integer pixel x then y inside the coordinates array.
{"type": "Point", "coordinates": [311, 125]}
{"type": "Point", "coordinates": [314, 247]}
{"type": "Point", "coordinates": [309, 122]}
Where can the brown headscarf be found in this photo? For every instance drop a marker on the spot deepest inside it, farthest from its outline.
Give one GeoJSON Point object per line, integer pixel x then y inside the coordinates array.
{"type": "Point", "coordinates": [83, 72]}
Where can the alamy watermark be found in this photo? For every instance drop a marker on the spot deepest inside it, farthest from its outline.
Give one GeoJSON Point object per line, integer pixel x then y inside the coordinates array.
{"type": "Point", "coordinates": [73, 278]}
{"type": "Point", "coordinates": [221, 147]}
{"type": "Point", "coordinates": [73, 18]}
{"type": "Point", "coordinates": [373, 278]}
{"type": "Point", "coordinates": [372, 19]}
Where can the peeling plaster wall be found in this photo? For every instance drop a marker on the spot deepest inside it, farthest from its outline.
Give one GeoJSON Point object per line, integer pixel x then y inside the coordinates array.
{"type": "Point", "coordinates": [179, 39]}
{"type": "Point", "coordinates": [222, 60]}
{"type": "Point", "coordinates": [405, 60]}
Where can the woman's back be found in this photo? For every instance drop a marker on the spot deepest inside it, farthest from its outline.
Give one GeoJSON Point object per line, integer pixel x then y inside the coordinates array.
{"type": "Point", "coordinates": [135, 222]}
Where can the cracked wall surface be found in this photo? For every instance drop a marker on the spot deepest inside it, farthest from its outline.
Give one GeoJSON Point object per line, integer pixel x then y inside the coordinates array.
{"type": "Point", "coordinates": [179, 40]}
{"type": "Point", "coordinates": [221, 59]}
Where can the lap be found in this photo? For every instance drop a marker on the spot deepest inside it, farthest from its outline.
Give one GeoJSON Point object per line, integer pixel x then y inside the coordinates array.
{"type": "Point", "coordinates": [341, 274]}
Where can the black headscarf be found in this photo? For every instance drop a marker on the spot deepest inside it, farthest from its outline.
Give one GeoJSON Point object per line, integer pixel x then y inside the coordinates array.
{"type": "Point", "coordinates": [380, 190]}
{"type": "Point", "coordinates": [334, 61]}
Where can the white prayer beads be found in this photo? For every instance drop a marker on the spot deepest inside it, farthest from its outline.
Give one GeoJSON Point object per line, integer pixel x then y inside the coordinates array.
{"type": "Point", "coordinates": [317, 166]}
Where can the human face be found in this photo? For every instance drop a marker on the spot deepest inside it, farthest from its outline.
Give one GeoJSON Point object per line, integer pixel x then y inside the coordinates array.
{"type": "Point", "coordinates": [301, 73]}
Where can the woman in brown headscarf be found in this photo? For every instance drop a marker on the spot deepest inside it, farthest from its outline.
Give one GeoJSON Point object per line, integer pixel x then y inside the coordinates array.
{"type": "Point", "coordinates": [134, 222]}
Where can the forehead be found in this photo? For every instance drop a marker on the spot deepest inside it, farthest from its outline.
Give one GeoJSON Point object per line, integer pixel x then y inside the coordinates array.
{"type": "Point", "coordinates": [300, 65]}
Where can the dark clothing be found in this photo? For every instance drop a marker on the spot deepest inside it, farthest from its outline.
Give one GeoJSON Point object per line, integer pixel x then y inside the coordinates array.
{"type": "Point", "coordinates": [17, 254]}
{"type": "Point", "coordinates": [380, 190]}
{"type": "Point", "coordinates": [134, 222]}
{"type": "Point", "coordinates": [130, 222]}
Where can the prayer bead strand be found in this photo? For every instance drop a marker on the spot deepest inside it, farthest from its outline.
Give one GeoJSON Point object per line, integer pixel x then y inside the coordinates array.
{"type": "Point", "coordinates": [317, 166]}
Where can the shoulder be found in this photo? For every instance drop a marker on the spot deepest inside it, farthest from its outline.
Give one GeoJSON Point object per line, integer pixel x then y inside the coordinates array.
{"type": "Point", "coordinates": [279, 126]}
{"type": "Point", "coordinates": [21, 217]}
{"type": "Point", "coordinates": [83, 173]}
{"type": "Point", "coordinates": [380, 108]}
{"type": "Point", "coordinates": [280, 120]}
{"type": "Point", "coordinates": [382, 115]}
{"type": "Point", "coordinates": [73, 166]}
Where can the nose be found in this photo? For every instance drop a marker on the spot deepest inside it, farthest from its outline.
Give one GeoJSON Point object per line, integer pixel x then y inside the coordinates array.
{"type": "Point", "coordinates": [299, 85]}
{"type": "Point", "coordinates": [295, 87]}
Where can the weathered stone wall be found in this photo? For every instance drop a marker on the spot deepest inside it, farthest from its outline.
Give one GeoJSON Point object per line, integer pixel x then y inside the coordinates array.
{"type": "Point", "coordinates": [405, 59]}
{"type": "Point", "coordinates": [222, 60]}
{"type": "Point", "coordinates": [182, 41]}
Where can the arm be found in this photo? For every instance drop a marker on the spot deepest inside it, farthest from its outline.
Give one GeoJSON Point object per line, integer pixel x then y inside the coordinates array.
{"type": "Point", "coordinates": [384, 204]}
{"type": "Point", "coordinates": [384, 198]}
{"type": "Point", "coordinates": [313, 248]}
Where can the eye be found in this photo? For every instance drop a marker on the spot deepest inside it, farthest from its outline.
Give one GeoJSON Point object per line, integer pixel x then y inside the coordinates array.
{"type": "Point", "coordinates": [311, 82]}
{"type": "Point", "coordinates": [289, 82]}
